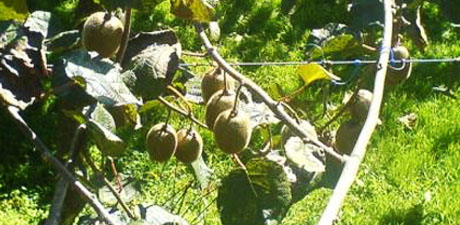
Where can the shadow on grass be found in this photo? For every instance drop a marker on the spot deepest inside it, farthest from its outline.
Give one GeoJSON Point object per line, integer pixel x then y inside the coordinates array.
{"type": "Point", "coordinates": [410, 216]}
{"type": "Point", "coordinates": [441, 145]}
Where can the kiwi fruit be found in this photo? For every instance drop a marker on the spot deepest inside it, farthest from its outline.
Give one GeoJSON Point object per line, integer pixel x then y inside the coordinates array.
{"type": "Point", "coordinates": [360, 106]}
{"type": "Point", "coordinates": [213, 82]}
{"type": "Point", "coordinates": [400, 72]}
{"type": "Point", "coordinates": [219, 102]}
{"type": "Point", "coordinates": [102, 33]}
{"type": "Point", "coordinates": [286, 133]}
{"type": "Point", "coordinates": [190, 145]}
{"type": "Point", "coordinates": [161, 142]}
{"type": "Point", "coordinates": [347, 135]}
{"type": "Point", "coordinates": [232, 131]}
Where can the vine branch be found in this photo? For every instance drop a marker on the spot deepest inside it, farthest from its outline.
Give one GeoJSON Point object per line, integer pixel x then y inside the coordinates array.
{"type": "Point", "coordinates": [79, 187]}
{"type": "Point", "coordinates": [351, 167]}
{"type": "Point", "coordinates": [274, 106]}
{"type": "Point", "coordinates": [125, 37]}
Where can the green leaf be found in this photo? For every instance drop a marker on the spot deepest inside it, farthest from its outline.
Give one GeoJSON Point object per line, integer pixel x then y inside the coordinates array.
{"type": "Point", "coordinates": [312, 72]}
{"type": "Point", "coordinates": [201, 172]}
{"type": "Point", "coordinates": [194, 10]}
{"type": "Point", "coordinates": [106, 141]}
{"type": "Point", "coordinates": [334, 38]}
{"type": "Point", "coordinates": [129, 191]}
{"type": "Point", "coordinates": [101, 77]}
{"type": "Point", "coordinates": [302, 155]}
{"type": "Point", "coordinates": [100, 115]}
{"type": "Point", "coordinates": [75, 115]}
{"type": "Point", "coordinates": [43, 22]}
{"type": "Point", "coordinates": [154, 69]}
{"type": "Point", "coordinates": [63, 41]}
{"type": "Point", "coordinates": [126, 116]}
{"type": "Point", "coordinates": [13, 10]}
{"type": "Point", "coordinates": [239, 204]}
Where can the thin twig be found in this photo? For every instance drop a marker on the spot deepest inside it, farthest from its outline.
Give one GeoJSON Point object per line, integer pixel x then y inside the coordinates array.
{"type": "Point", "coordinates": [86, 194]}
{"type": "Point", "coordinates": [112, 189]}
{"type": "Point", "coordinates": [194, 54]}
{"type": "Point", "coordinates": [125, 37]}
{"type": "Point", "coordinates": [174, 108]}
{"type": "Point", "coordinates": [274, 106]}
{"type": "Point", "coordinates": [351, 167]}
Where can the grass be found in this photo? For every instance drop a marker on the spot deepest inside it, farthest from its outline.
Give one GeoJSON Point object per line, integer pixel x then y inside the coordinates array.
{"type": "Point", "coordinates": [409, 176]}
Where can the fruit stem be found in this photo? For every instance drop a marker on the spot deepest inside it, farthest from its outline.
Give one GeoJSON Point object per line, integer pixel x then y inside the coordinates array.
{"type": "Point", "coordinates": [290, 109]}
{"type": "Point", "coordinates": [235, 104]}
{"type": "Point", "coordinates": [181, 97]}
{"type": "Point", "coordinates": [125, 37]}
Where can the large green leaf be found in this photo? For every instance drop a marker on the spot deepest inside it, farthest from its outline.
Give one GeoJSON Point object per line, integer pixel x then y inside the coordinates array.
{"type": "Point", "coordinates": [99, 78]}
{"type": "Point", "coordinates": [114, 4]}
{"type": "Point", "coordinates": [43, 22]}
{"type": "Point", "coordinates": [106, 141]}
{"type": "Point", "coordinates": [238, 203]}
{"type": "Point", "coordinates": [194, 10]}
{"type": "Point", "coordinates": [13, 10]}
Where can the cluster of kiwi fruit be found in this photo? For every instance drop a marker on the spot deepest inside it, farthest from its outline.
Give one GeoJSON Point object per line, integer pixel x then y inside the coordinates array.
{"type": "Point", "coordinates": [349, 131]}
{"type": "Point", "coordinates": [102, 32]}
{"type": "Point", "coordinates": [162, 142]}
{"type": "Point", "coordinates": [231, 127]}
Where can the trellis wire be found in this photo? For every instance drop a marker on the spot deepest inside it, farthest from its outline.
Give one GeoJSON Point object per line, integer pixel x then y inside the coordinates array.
{"type": "Point", "coordinates": [328, 62]}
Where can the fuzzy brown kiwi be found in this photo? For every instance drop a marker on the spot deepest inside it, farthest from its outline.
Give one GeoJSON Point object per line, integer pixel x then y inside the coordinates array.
{"type": "Point", "coordinates": [161, 142]}
{"type": "Point", "coordinates": [219, 102]}
{"type": "Point", "coordinates": [400, 72]}
{"type": "Point", "coordinates": [232, 131]}
{"type": "Point", "coordinates": [347, 135]}
{"type": "Point", "coordinates": [102, 33]}
{"type": "Point", "coordinates": [213, 82]}
{"type": "Point", "coordinates": [360, 107]}
{"type": "Point", "coordinates": [286, 133]}
{"type": "Point", "coordinates": [190, 145]}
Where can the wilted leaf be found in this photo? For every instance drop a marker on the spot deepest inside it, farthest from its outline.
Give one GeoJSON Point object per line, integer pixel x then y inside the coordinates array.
{"type": "Point", "coordinates": [21, 61]}
{"type": "Point", "coordinates": [194, 10]}
{"type": "Point", "coordinates": [13, 10]}
{"type": "Point", "coordinates": [313, 71]}
{"type": "Point", "coordinates": [201, 172]}
{"type": "Point", "coordinates": [239, 204]}
{"type": "Point", "coordinates": [301, 154]}
{"type": "Point", "coordinates": [101, 76]}
{"type": "Point", "coordinates": [43, 22]}
{"type": "Point", "coordinates": [63, 41]}
{"type": "Point", "coordinates": [408, 120]}
{"type": "Point", "coordinates": [106, 141]}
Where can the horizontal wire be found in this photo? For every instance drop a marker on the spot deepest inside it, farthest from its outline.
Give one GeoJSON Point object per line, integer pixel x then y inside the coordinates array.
{"type": "Point", "coordinates": [329, 62]}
